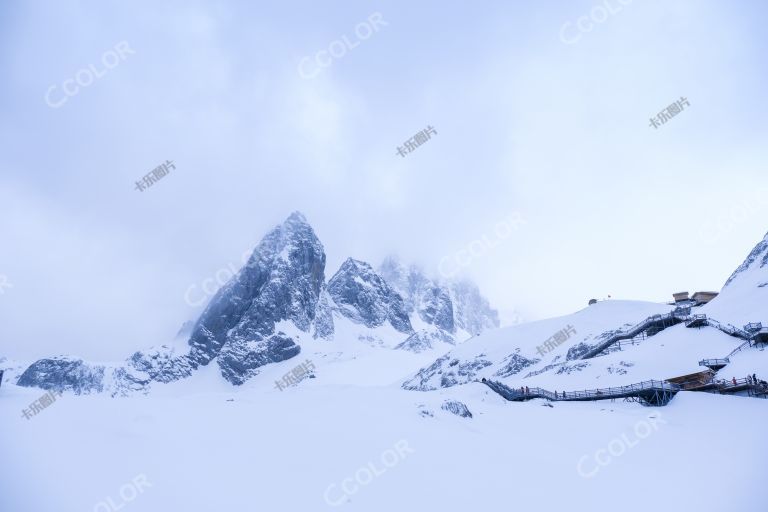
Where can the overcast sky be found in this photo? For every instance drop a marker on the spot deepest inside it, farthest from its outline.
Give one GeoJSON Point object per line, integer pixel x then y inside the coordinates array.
{"type": "Point", "coordinates": [540, 113]}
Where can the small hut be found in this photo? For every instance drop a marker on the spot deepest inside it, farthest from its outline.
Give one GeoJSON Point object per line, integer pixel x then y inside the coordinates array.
{"type": "Point", "coordinates": [703, 297]}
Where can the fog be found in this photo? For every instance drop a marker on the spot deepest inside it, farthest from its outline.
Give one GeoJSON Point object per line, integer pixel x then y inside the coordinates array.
{"type": "Point", "coordinates": [543, 179]}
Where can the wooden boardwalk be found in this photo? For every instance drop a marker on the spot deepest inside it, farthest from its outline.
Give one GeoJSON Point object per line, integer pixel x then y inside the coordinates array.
{"type": "Point", "coordinates": [655, 323]}
{"type": "Point", "coordinates": [650, 392]}
{"type": "Point", "coordinates": [753, 332]}
{"type": "Point", "coordinates": [733, 386]}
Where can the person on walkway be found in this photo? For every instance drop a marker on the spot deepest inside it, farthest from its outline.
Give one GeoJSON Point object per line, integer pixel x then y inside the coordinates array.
{"type": "Point", "coordinates": [749, 380]}
{"type": "Point", "coordinates": [563, 395]}
{"type": "Point", "coordinates": [734, 380]}
{"type": "Point", "coordinates": [522, 390]}
{"type": "Point", "coordinates": [526, 390]}
{"type": "Point", "coordinates": [754, 378]}
{"type": "Point", "coordinates": [1, 377]}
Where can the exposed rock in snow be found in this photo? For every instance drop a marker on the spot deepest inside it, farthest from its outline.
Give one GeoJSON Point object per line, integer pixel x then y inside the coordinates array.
{"type": "Point", "coordinates": [425, 339]}
{"type": "Point", "coordinates": [514, 363]}
{"type": "Point", "coordinates": [576, 367]}
{"type": "Point", "coordinates": [64, 374]}
{"type": "Point", "coordinates": [457, 408]}
{"type": "Point", "coordinates": [446, 372]}
{"type": "Point", "coordinates": [436, 308]}
{"type": "Point", "coordinates": [758, 258]}
{"type": "Point", "coordinates": [159, 364]}
{"type": "Point", "coordinates": [240, 360]}
{"type": "Point", "coordinates": [620, 368]}
{"type": "Point", "coordinates": [578, 350]}
{"type": "Point", "coordinates": [425, 412]}
{"type": "Point", "coordinates": [324, 316]}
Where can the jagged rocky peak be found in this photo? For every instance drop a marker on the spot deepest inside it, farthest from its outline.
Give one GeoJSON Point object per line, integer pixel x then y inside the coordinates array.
{"type": "Point", "coordinates": [281, 281]}
{"type": "Point", "coordinates": [363, 296]}
{"type": "Point", "coordinates": [449, 305]}
{"type": "Point", "coordinates": [436, 307]}
{"type": "Point", "coordinates": [473, 312]}
{"type": "Point", "coordinates": [407, 281]}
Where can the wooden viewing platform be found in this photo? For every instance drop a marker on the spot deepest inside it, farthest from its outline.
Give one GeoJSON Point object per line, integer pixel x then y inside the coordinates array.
{"type": "Point", "coordinates": [714, 364]}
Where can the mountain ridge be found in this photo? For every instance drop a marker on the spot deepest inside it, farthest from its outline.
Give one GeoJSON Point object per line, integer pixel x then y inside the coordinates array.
{"type": "Point", "coordinates": [258, 317]}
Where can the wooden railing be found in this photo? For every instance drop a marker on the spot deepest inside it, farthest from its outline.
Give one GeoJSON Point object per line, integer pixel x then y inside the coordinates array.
{"type": "Point", "coordinates": [599, 393]}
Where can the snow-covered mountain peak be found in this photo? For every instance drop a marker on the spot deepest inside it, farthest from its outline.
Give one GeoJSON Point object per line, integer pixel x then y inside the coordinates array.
{"type": "Point", "coordinates": [755, 264]}
{"type": "Point", "coordinates": [363, 296]}
{"type": "Point", "coordinates": [277, 303]}
{"type": "Point", "coordinates": [744, 296]}
{"type": "Point", "coordinates": [456, 307]}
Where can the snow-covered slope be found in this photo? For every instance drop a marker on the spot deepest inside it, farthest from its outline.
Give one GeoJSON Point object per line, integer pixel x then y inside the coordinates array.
{"type": "Point", "coordinates": [519, 356]}
{"type": "Point", "coordinates": [512, 352]}
{"type": "Point", "coordinates": [208, 447]}
{"type": "Point", "coordinates": [744, 298]}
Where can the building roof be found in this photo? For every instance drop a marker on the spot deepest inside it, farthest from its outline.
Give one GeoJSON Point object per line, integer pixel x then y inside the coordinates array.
{"type": "Point", "coordinates": [704, 296]}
